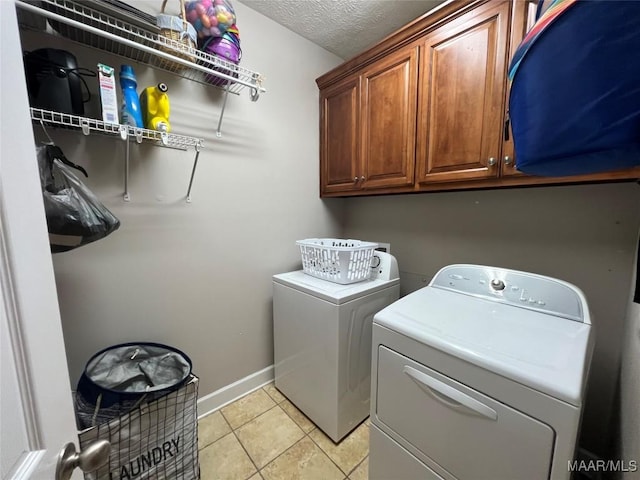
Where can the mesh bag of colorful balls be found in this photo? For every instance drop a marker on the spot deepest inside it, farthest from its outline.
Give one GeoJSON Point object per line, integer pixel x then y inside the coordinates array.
{"type": "Point", "coordinates": [218, 35]}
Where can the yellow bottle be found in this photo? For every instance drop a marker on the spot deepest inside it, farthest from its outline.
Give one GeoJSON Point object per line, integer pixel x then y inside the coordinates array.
{"type": "Point", "coordinates": [154, 103]}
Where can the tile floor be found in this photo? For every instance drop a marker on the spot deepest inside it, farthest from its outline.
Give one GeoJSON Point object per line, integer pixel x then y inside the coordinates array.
{"type": "Point", "coordinates": [262, 436]}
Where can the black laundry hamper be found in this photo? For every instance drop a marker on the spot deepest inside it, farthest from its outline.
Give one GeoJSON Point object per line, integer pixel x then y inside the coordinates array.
{"type": "Point", "coordinates": [119, 378]}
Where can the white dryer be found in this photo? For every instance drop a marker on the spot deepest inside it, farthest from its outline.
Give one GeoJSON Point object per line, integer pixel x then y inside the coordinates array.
{"type": "Point", "coordinates": [322, 342]}
{"type": "Point", "coordinates": [479, 375]}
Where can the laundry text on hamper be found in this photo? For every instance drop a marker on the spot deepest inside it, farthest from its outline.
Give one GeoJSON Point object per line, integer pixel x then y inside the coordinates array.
{"type": "Point", "coordinates": [150, 459]}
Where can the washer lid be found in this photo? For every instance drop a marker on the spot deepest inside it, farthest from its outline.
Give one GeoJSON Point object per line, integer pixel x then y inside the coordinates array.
{"type": "Point", "coordinates": [329, 291]}
{"type": "Point", "coordinates": [546, 352]}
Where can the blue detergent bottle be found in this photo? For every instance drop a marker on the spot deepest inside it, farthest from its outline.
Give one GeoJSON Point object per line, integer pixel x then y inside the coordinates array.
{"type": "Point", "coordinates": [131, 113]}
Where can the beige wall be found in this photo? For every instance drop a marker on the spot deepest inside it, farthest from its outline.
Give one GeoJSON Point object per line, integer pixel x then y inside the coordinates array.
{"type": "Point", "coordinates": [198, 276]}
{"type": "Point", "coordinates": [581, 234]}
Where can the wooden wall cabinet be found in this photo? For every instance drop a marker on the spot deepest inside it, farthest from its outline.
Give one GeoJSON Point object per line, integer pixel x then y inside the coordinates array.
{"type": "Point", "coordinates": [425, 109]}
{"type": "Point", "coordinates": [367, 126]}
{"type": "Point", "coordinates": [462, 90]}
{"type": "Point", "coordinates": [388, 112]}
{"type": "Point", "coordinates": [339, 136]}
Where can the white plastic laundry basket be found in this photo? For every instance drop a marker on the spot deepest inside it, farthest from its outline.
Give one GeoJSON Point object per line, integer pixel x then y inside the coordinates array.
{"type": "Point", "coordinates": [337, 260]}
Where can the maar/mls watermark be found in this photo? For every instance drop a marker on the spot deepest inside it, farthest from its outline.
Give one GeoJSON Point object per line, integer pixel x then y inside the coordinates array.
{"type": "Point", "coordinates": [602, 466]}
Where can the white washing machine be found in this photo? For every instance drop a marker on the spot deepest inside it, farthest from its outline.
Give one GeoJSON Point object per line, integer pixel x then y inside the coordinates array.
{"type": "Point", "coordinates": [479, 375]}
{"type": "Point", "coordinates": [322, 342]}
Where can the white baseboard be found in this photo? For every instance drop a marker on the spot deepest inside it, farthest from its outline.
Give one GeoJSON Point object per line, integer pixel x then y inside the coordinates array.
{"type": "Point", "coordinates": [218, 399]}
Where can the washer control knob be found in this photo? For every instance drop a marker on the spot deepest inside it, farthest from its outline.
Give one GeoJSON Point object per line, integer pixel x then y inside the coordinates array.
{"type": "Point", "coordinates": [497, 284]}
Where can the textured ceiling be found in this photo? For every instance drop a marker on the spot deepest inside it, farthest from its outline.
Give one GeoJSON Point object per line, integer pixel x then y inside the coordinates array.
{"type": "Point", "coordinates": [343, 27]}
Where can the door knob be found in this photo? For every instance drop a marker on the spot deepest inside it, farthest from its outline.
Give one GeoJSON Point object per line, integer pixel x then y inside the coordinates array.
{"type": "Point", "coordinates": [508, 160]}
{"type": "Point", "coordinates": [362, 178]}
{"type": "Point", "coordinates": [491, 162]}
{"type": "Point", "coordinates": [355, 179]}
{"type": "Point", "coordinates": [89, 460]}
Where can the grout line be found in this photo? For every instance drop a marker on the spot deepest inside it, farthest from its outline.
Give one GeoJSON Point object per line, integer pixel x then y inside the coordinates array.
{"type": "Point", "coordinates": [345, 438]}
{"type": "Point", "coordinates": [306, 434]}
{"type": "Point", "coordinates": [247, 453]}
{"type": "Point", "coordinates": [259, 415]}
{"type": "Point", "coordinates": [279, 455]}
{"type": "Point", "coordinates": [211, 443]}
{"type": "Point", "coordinates": [226, 421]}
{"type": "Point", "coordinates": [254, 463]}
{"type": "Point", "coordinates": [294, 420]}
{"type": "Point", "coordinates": [327, 453]}
{"type": "Point", "coordinates": [278, 402]}
{"type": "Point", "coordinates": [251, 419]}
{"type": "Point", "coordinates": [358, 465]}
{"type": "Point", "coordinates": [233, 430]}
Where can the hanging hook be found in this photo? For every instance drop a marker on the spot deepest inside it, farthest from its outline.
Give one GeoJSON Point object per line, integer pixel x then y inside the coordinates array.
{"type": "Point", "coordinates": [51, 142]}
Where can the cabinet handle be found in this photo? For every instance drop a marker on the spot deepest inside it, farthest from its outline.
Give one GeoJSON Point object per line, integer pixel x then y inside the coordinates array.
{"type": "Point", "coordinates": [491, 162]}
{"type": "Point", "coordinates": [508, 160]}
{"type": "Point", "coordinates": [362, 178]}
{"type": "Point", "coordinates": [355, 179]}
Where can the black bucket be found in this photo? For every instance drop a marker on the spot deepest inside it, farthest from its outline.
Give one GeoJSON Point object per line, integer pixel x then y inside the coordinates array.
{"type": "Point", "coordinates": [119, 378]}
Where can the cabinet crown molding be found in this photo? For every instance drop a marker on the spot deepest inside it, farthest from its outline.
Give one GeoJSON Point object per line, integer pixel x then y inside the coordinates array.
{"type": "Point", "coordinates": [400, 38]}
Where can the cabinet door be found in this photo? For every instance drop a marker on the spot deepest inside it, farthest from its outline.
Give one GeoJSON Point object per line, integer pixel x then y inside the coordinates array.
{"type": "Point", "coordinates": [389, 97]}
{"type": "Point", "coordinates": [462, 90]}
{"type": "Point", "coordinates": [523, 17]}
{"type": "Point", "coordinates": [339, 135]}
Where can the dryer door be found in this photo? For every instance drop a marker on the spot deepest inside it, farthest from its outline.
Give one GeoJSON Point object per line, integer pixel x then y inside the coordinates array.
{"type": "Point", "coordinates": [466, 433]}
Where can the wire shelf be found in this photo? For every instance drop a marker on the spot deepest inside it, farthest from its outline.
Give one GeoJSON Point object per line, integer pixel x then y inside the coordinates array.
{"type": "Point", "coordinates": [88, 125]}
{"type": "Point", "coordinates": [88, 26]}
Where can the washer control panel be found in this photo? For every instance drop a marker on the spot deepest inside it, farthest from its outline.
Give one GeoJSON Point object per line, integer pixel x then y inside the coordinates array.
{"type": "Point", "coordinates": [521, 289]}
{"type": "Point", "coordinates": [384, 266]}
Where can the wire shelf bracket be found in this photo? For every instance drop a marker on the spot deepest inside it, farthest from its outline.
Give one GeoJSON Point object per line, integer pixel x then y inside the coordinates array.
{"type": "Point", "coordinates": [193, 172]}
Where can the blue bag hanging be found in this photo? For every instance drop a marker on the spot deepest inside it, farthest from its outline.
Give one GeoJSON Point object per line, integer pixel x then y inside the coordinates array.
{"type": "Point", "coordinates": [574, 104]}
